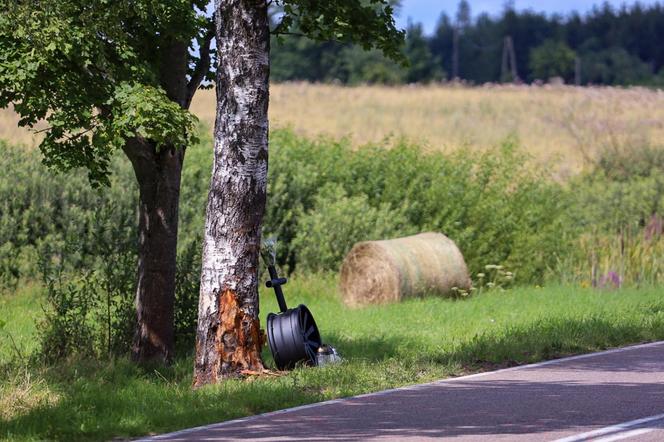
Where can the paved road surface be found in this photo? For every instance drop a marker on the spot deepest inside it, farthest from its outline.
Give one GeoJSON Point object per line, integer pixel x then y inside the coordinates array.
{"type": "Point", "coordinates": [614, 395]}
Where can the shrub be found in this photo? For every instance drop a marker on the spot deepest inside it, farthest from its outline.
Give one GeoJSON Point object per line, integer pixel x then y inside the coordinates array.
{"type": "Point", "coordinates": [89, 308]}
{"type": "Point", "coordinates": [624, 188]}
{"type": "Point", "coordinates": [38, 204]}
{"type": "Point", "coordinates": [82, 244]}
{"type": "Point", "coordinates": [336, 222]}
{"type": "Point", "coordinates": [495, 208]}
{"type": "Point", "coordinates": [323, 196]}
{"type": "Point", "coordinates": [187, 287]}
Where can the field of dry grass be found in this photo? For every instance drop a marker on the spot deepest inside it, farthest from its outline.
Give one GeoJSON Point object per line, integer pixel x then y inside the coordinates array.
{"type": "Point", "coordinates": [561, 123]}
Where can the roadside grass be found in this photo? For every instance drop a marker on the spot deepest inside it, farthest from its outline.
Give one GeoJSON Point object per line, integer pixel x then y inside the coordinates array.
{"type": "Point", "coordinates": [384, 347]}
{"type": "Point", "coordinates": [19, 312]}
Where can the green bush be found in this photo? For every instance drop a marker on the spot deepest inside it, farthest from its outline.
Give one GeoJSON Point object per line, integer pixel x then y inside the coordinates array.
{"type": "Point", "coordinates": [187, 287]}
{"type": "Point", "coordinates": [67, 329]}
{"type": "Point", "coordinates": [617, 205]}
{"type": "Point", "coordinates": [81, 243]}
{"type": "Point", "coordinates": [495, 207]}
{"type": "Point", "coordinates": [323, 196]}
{"type": "Point", "coordinates": [336, 222]}
{"type": "Point", "coordinates": [89, 307]}
{"type": "Point", "coordinates": [38, 205]}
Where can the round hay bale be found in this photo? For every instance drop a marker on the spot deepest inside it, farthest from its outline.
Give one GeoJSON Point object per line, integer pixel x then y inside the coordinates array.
{"type": "Point", "coordinates": [379, 272]}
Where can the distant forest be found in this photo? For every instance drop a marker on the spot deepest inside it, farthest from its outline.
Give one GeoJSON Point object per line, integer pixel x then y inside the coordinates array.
{"type": "Point", "coordinates": [608, 45]}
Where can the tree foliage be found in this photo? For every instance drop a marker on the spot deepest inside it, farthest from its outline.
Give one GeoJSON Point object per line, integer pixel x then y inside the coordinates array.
{"type": "Point", "coordinates": [93, 70]}
{"type": "Point", "coordinates": [552, 59]}
{"type": "Point", "coordinates": [368, 23]}
{"type": "Point", "coordinates": [90, 69]}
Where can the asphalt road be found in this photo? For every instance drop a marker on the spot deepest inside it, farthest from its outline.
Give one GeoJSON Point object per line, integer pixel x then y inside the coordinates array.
{"type": "Point", "coordinates": [613, 395]}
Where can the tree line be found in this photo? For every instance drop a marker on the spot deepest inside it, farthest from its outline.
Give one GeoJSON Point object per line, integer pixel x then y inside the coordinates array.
{"type": "Point", "coordinates": [608, 46]}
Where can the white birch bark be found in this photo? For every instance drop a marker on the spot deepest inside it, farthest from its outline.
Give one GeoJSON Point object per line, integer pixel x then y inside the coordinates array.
{"type": "Point", "coordinates": [229, 339]}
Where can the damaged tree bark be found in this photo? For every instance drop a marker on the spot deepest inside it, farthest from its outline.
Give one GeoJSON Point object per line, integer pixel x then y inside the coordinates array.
{"type": "Point", "coordinates": [228, 338]}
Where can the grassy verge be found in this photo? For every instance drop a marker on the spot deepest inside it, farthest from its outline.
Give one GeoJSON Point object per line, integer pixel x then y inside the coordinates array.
{"type": "Point", "coordinates": [19, 313]}
{"type": "Point", "coordinates": [416, 341]}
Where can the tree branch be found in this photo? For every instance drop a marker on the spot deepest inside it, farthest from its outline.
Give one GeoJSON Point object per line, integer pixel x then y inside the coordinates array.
{"type": "Point", "coordinates": [73, 137]}
{"type": "Point", "coordinates": [292, 34]}
{"type": "Point", "coordinates": [80, 134]}
{"type": "Point", "coordinates": [202, 67]}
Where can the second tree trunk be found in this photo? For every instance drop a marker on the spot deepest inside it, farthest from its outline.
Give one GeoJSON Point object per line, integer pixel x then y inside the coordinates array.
{"type": "Point", "coordinates": [229, 338]}
{"type": "Point", "coordinates": [158, 174]}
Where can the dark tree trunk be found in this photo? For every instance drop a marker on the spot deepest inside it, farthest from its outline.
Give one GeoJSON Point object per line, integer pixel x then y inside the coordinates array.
{"type": "Point", "coordinates": [228, 338]}
{"type": "Point", "coordinates": [158, 175]}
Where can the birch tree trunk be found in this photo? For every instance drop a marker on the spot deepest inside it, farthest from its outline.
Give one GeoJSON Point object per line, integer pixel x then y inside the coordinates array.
{"type": "Point", "coordinates": [229, 338]}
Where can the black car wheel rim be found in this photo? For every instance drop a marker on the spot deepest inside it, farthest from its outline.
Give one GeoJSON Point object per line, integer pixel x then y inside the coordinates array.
{"type": "Point", "coordinates": [293, 337]}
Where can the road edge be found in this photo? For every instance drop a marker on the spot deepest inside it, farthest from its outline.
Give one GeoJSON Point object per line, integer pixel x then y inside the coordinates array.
{"type": "Point", "coordinates": [414, 387]}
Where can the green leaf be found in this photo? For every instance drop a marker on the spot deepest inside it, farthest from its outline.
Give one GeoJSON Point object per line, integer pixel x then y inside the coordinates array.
{"type": "Point", "coordinates": [70, 62]}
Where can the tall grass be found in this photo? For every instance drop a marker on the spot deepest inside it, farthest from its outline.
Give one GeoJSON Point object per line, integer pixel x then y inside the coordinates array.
{"type": "Point", "coordinates": [560, 127]}
{"type": "Point", "coordinates": [325, 196]}
{"type": "Point", "coordinates": [619, 207]}
{"type": "Point", "coordinates": [609, 261]}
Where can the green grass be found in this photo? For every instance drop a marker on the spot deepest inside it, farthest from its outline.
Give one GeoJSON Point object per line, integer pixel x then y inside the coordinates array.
{"type": "Point", "coordinates": [416, 341]}
{"type": "Point", "coordinates": [19, 312]}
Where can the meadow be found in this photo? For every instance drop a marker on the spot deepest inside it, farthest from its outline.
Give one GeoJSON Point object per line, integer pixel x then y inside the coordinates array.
{"type": "Point", "coordinates": [563, 187]}
{"type": "Point", "coordinates": [562, 126]}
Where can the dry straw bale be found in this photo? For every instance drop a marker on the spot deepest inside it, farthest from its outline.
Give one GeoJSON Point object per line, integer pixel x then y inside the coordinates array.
{"type": "Point", "coordinates": [378, 272]}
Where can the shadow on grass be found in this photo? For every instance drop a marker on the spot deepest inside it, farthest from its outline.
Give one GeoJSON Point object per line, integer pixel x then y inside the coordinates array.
{"type": "Point", "coordinates": [371, 349]}
{"type": "Point", "coordinates": [543, 339]}
{"type": "Point", "coordinates": [551, 338]}
{"type": "Point", "coordinates": [124, 400]}
{"type": "Point", "coordinates": [97, 401]}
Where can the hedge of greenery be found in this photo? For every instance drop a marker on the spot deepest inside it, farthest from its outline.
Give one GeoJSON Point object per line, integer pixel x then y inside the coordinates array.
{"type": "Point", "coordinates": [323, 196]}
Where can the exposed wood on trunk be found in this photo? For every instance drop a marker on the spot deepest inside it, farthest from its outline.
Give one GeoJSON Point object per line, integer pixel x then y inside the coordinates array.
{"type": "Point", "coordinates": [228, 338]}
{"type": "Point", "coordinates": [235, 338]}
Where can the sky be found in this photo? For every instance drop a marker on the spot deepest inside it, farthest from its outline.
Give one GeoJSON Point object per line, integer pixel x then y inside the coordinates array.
{"type": "Point", "coordinates": [428, 11]}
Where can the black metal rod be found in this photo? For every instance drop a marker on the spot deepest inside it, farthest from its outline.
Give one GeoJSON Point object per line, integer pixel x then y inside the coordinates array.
{"type": "Point", "coordinates": [275, 282]}
{"type": "Point", "coordinates": [276, 285]}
